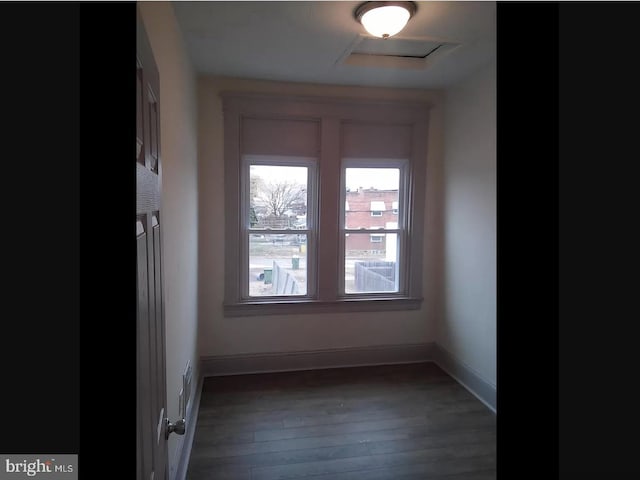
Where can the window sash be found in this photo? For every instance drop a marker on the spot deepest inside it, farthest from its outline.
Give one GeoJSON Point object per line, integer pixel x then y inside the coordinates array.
{"type": "Point", "coordinates": [310, 231]}
{"type": "Point", "coordinates": [271, 298]}
{"type": "Point", "coordinates": [373, 250]}
{"type": "Point", "coordinates": [400, 230]}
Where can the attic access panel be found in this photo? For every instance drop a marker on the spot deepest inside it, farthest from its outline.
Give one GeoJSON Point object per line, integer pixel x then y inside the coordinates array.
{"type": "Point", "coordinates": [394, 52]}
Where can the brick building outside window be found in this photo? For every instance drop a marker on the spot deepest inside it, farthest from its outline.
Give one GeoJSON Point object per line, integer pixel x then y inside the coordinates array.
{"type": "Point", "coordinates": [370, 208]}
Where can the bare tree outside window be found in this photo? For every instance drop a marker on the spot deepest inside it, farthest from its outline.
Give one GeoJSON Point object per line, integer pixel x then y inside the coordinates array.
{"type": "Point", "coordinates": [282, 197]}
{"type": "Point", "coordinates": [278, 196]}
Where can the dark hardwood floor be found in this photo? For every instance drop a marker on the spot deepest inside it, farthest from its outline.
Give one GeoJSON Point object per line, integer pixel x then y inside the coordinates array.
{"type": "Point", "coordinates": [370, 423]}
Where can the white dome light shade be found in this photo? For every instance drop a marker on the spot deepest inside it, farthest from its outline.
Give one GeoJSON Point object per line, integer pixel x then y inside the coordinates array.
{"type": "Point", "coordinates": [385, 19]}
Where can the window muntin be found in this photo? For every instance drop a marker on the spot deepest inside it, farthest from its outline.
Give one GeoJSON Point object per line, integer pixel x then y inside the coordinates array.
{"type": "Point", "coordinates": [372, 263]}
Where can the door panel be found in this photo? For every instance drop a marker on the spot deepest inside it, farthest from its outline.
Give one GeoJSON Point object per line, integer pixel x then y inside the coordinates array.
{"type": "Point", "coordinates": [144, 381]}
{"type": "Point", "coordinates": [152, 405]}
{"type": "Point", "coordinates": [152, 109]}
{"type": "Point", "coordinates": [139, 115]}
{"type": "Point", "coordinates": [159, 300]}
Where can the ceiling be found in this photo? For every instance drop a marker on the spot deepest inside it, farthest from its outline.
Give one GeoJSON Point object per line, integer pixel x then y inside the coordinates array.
{"type": "Point", "coordinates": [311, 42]}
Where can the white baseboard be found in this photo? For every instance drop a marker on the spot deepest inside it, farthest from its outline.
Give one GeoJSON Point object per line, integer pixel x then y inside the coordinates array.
{"type": "Point", "coordinates": [316, 359]}
{"type": "Point", "coordinates": [192, 418]}
{"type": "Point", "coordinates": [484, 390]}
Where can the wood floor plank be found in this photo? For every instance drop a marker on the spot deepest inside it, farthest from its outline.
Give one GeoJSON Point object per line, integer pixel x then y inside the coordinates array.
{"type": "Point", "coordinates": [229, 450]}
{"type": "Point", "coordinates": [297, 470]}
{"type": "Point", "coordinates": [382, 441]}
{"type": "Point", "coordinates": [397, 403]}
{"type": "Point", "coordinates": [486, 475]}
{"type": "Point", "coordinates": [417, 471]}
{"type": "Point", "coordinates": [440, 439]}
{"type": "Point", "coordinates": [333, 399]}
{"type": "Point", "coordinates": [392, 422]}
{"type": "Point", "coordinates": [428, 454]}
{"type": "Point", "coordinates": [290, 456]}
{"type": "Point", "coordinates": [399, 410]}
{"type": "Point", "coordinates": [440, 422]}
{"type": "Point", "coordinates": [239, 425]}
{"type": "Point", "coordinates": [198, 471]}
{"type": "Point", "coordinates": [211, 436]}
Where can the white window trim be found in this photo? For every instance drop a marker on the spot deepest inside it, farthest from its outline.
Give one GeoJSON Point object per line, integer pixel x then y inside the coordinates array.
{"type": "Point", "coordinates": [376, 213]}
{"type": "Point", "coordinates": [334, 116]}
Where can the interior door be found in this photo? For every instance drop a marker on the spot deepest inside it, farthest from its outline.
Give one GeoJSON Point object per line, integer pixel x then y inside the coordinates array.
{"type": "Point", "coordinates": [151, 393]}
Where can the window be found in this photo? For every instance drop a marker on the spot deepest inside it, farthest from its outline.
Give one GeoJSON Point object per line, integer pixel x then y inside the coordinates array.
{"type": "Point", "coordinates": [373, 270]}
{"type": "Point", "coordinates": [377, 208]}
{"type": "Point", "coordinates": [280, 219]}
{"type": "Point", "coordinates": [324, 202]}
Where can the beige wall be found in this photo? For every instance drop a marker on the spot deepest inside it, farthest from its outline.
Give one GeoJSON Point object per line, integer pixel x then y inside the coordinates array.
{"type": "Point", "coordinates": [468, 330]}
{"type": "Point", "coordinates": [286, 333]}
{"type": "Point", "coordinates": [178, 117]}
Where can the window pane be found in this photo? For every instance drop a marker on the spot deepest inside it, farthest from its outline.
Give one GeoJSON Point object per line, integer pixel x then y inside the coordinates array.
{"type": "Point", "coordinates": [371, 262]}
{"type": "Point", "coordinates": [277, 265]}
{"type": "Point", "coordinates": [277, 197]}
{"type": "Point", "coordinates": [371, 196]}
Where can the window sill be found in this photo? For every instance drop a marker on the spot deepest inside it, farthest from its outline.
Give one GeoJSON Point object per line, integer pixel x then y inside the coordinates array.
{"type": "Point", "coordinates": [297, 307]}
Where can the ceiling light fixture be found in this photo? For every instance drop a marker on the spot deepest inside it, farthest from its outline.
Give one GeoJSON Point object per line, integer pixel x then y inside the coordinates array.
{"type": "Point", "coordinates": [385, 19]}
